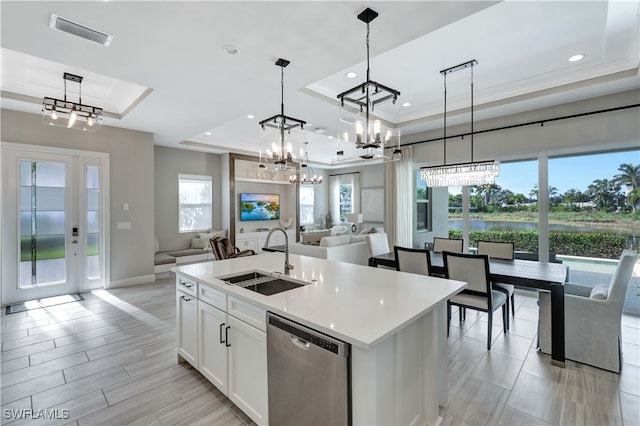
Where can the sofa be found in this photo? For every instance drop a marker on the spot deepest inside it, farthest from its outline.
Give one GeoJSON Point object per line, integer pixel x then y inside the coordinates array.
{"type": "Point", "coordinates": [343, 248]}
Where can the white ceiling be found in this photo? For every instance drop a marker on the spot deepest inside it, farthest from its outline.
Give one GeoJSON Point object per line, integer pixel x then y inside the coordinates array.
{"type": "Point", "coordinates": [166, 72]}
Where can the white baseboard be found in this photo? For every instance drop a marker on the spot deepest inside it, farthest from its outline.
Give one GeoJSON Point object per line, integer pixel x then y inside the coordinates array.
{"type": "Point", "coordinates": [143, 279]}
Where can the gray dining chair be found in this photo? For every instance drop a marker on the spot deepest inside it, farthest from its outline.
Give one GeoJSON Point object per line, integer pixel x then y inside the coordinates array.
{"type": "Point", "coordinates": [592, 318]}
{"type": "Point", "coordinates": [505, 251]}
{"type": "Point", "coordinates": [479, 295]}
{"type": "Point", "coordinates": [452, 245]}
{"type": "Point", "coordinates": [412, 260]}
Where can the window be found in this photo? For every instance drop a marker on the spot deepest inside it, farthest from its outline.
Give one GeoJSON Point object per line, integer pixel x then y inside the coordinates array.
{"type": "Point", "coordinates": [306, 204]}
{"type": "Point", "coordinates": [194, 203]}
{"type": "Point", "coordinates": [423, 207]}
{"type": "Point", "coordinates": [346, 193]}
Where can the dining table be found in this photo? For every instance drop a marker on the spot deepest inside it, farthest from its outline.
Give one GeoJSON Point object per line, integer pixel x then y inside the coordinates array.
{"type": "Point", "coordinates": [522, 273]}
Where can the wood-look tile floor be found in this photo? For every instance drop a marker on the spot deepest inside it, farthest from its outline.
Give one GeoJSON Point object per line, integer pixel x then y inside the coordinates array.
{"type": "Point", "coordinates": [110, 360]}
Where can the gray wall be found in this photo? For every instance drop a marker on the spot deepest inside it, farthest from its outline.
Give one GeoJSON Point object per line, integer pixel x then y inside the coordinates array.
{"type": "Point", "coordinates": [593, 133]}
{"type": "Point", "coordinates": [131, 181]}
{"type": "Point", "coordinates": [169, 163]}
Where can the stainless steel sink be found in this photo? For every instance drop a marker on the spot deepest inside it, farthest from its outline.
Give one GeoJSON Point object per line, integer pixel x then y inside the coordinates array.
{"type": "Point", "coordinates": [262, 282]}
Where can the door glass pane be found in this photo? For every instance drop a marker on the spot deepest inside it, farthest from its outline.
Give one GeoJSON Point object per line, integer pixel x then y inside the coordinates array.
{"type": "Point", "coordinates": [93, 222]}
{"type": "Point", "coordinates": [504, 211]}
{"type": "Point", "coordinates": [594, 215]}
{"type": "Point", "coordinates": [42, 223]}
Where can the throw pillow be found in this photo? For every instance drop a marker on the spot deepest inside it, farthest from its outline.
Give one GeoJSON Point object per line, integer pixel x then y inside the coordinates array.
{"type": "Point", "coordinates": [199, 243]}
{"type": "Point", "coordinates": [600, 292]}
{"type": "Point", "coordinates": [337, 240]}
{"type": "Point", "coordinates": [156, 245]}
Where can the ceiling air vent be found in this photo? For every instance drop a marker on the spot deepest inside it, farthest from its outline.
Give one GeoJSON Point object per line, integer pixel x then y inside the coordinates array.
{"type": "Point", "coordinates": [78, 30]}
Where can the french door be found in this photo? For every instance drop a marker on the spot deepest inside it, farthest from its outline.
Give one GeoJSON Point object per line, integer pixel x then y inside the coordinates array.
{"type": "Point", "coordinates": [53, 222]}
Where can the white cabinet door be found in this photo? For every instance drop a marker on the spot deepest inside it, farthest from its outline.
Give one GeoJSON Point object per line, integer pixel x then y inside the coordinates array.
{"type": "Point", "coordinates": [212, 355]}
{"type": "Point", "coordinates": [247, 243]}
{"type": "Point", "coordinates": [187, 318]}
{"type": "Point", "coordinates": [248, 369]}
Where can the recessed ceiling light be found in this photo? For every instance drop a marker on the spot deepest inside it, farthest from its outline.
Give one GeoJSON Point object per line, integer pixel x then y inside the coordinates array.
{"type": "Point", "coordinates": [320, 130]}
{"type": "Point", "coordinates": [230, 49]}
{"type": "Point", "coordinates": [351, 74]}
{"type": "Point", "coordinates": [330, 137]}
{"type": "Point", "coordinates": [406, 104]}
{"type": "Point", "coordinates": [576, 58]}
{"type": "Point", "coordinates": [208, 133]}
{"type": "Point", "coordinates": [251, 116]}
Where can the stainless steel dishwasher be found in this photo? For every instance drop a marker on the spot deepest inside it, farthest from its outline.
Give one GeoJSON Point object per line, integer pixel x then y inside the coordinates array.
{"type": "Point", "coordinates": [308, 371]}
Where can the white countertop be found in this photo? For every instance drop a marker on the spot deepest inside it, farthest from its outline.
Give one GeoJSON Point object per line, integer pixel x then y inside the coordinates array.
{"type": "Point", "coordinates": [357, 304]}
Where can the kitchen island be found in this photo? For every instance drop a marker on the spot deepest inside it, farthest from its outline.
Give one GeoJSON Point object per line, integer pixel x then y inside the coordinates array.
{"type": "Point", "coordinates": [394, 321]}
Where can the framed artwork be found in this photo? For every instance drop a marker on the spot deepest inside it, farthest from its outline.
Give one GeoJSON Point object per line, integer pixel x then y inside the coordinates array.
{"type": "Point", "coordinates": [372, 204]}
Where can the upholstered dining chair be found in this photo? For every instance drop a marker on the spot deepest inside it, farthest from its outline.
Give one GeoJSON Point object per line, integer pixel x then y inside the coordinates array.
{"type": "Point", "coordinates": [479, 295]}
{"type": "Point", "coordinates": [592, 318]}
{"type": "Point", "coordinates": [377, 243]}
{"type": "Point", "coordinates": [505, 251]}
{"type": "Point", "coordinates": [412, 260]}
{"type": "Point", "coordinates": [447, 244]}
{"type": "Point", "coordinates": [223, 249]}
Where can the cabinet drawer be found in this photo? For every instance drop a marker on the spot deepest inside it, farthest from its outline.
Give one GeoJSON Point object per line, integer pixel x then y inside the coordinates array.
{"type": "Point", "coordinates": [247, 312]}
{"type": "Point", "coordinates": [187, 285]}
{"type": "Point", "coordinates": [212, 296]}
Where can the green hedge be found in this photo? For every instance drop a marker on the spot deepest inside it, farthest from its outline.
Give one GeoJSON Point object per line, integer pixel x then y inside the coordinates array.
{"type": "Point", "coordinates": [606, 246]}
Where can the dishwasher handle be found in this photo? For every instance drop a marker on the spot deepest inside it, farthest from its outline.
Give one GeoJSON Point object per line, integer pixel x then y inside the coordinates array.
{"type": "Point", "coordinates": [305, 336]}
{"type": "Point", "coordinates": [302, 344]}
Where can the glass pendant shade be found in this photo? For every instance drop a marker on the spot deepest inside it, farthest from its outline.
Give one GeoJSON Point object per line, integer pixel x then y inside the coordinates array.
{"type": "Point", "coordinates": [360, 139]}
{"type": "Point", "coordinates": [466, 174]}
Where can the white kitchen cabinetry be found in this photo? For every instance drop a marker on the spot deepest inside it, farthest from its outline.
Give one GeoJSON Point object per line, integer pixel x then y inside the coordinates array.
{"type": "Point", "coordinates": [187, 318]}
{"type": "Point", "coordinates": [227, 343]}
{"type": "Point", "coordinates": [248, 369]}
{"type": "Point", "coordinates": [212, 336]}
{"type": "Point", "coordinates": [255, 240]}
{"type": "Point", "coordinates": [244, 243]}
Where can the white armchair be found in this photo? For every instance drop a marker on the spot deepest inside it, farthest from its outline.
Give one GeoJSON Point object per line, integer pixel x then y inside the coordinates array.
{"type": "Point", "coordinates": [592, 319]}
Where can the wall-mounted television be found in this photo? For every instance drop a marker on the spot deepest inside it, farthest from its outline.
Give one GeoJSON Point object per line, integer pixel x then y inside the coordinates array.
{"type": "Point", "coordinates": [259, 206]}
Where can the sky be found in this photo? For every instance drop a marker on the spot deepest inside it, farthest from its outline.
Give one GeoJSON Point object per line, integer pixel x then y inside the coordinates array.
{"type": "Point", "coordinates": [564, 173]}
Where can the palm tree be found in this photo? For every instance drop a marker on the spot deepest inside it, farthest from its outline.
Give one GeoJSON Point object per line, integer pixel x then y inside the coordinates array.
{"type": "Point", "coordinates": [553, 192]}
{"type": "Point", "coordinates": [630, 176]}
{"type": "Point", "coordinates": [603, 192]}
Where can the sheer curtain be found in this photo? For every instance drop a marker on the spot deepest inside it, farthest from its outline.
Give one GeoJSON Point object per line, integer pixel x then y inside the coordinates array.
{"type": "Point", "coordinates": [399, 199]}
{"type": "Point", "coordinates": [334, 196]}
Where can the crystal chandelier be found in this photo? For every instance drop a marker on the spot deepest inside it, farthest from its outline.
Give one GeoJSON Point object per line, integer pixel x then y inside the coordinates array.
{"type": "Point", "coordinates": [366, 131]}
{"type": "Point", "coordinates": [281, 152]}
{"type": "Point", "coordinates": [72, 115]}
{"type": "Point", "coordinates": [301, 177]}
{"type": "Point", "coordinates": [461, 174]}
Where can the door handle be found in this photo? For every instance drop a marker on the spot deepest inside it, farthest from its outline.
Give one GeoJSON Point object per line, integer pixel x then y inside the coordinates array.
{"type": "Point", "coordinates": [226, 336]}
{"type": "Point", "coordinates": [221, 339]}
